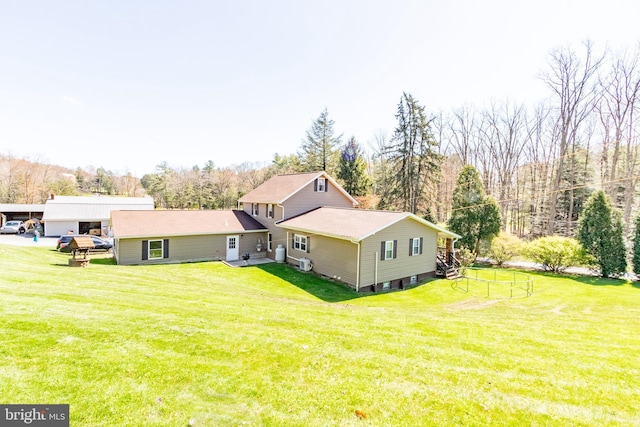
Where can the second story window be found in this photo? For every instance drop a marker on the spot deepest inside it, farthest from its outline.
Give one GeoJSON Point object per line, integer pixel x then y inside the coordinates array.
{"type": "Point", "coordinates": [321, 185]}
{"type": "Point", "coordinates": [270, 210]}
{"type": "Point", "coordinates": [254, 209]}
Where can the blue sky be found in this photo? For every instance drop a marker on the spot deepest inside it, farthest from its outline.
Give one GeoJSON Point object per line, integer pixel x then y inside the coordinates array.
{"type": "Point", "coordinates": [127, 85]}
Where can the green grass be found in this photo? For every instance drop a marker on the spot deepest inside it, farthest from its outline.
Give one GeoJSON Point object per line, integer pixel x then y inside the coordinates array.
{"type": "Point", "coordinates": [210, 345]}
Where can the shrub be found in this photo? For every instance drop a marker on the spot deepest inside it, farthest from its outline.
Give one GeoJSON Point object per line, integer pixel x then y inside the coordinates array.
{"type": "Point", "coordinates": [466, 258]}
{"type": "Point", "coordinates": [635, 261]}
{"type": "Point", "coordinates": [556, 253]}
{"type": "Point", "coordinates": [505, 247]}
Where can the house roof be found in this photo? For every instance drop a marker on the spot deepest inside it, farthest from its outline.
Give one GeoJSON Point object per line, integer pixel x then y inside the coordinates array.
{"type": "Point", "coordinates": [352, 224]}
{"type": "Point", "coordinates": [21, 207]}
{"type": "Point", "coordinates": [93, 208]}
{"type": "Point", "coordinates": [279, 188]}
{"type": "Point", "coordinates": [134, 224]}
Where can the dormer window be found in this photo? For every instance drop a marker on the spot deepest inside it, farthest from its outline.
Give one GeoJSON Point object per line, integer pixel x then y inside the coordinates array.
{"type": "Point", "coordinates": [321, 185]}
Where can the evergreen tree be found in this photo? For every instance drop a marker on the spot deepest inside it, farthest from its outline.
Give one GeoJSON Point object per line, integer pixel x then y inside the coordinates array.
{"type": "Point", "coordinates": [475, 216]}
{"type": "Point", "coordinates": [319, 150]}
{"type": "Point", "coordinates": [429, 216]}
{"type": "Point", "coordinates": [352, 170]}
{"type": "Point", "coordinates": [636, 248]}
{"type": "Point", "coordinates": [285, 164]}
{"type": "Point", "coordinates": [412, 154]}
{"type": "Point", "coordinates": [600, 233]}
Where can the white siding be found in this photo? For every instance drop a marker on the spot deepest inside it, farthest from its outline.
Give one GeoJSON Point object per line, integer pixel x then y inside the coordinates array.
{"type": "Point", "coordinates": [58, 228]}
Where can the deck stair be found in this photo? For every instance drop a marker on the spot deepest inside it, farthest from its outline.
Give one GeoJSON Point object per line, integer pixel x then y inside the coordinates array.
{"type": "Point", "coordinates": [448, 268]}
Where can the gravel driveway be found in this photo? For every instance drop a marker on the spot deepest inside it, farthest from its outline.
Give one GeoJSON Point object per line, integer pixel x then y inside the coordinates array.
{"type": "Point", "coordinates": [26, 240]}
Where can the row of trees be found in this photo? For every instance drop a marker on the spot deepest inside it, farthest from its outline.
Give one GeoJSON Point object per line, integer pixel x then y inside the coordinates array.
{"type": "Point", "coordinates": [542, 162]}
{"type": "Point", "coordinates": [26, 181]}
{"type": "Point", "coordinates": [599, 243]}
{"type": "Point", "coordinates": [536, 164]}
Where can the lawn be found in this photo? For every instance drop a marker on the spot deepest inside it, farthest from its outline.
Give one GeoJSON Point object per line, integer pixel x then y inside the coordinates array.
{"type": "Point", "coordinates": [208, 345]}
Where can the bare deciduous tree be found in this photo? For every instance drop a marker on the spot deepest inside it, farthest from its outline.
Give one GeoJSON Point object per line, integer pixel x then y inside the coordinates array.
{"type": "Point", "coordinates": [571, 79]}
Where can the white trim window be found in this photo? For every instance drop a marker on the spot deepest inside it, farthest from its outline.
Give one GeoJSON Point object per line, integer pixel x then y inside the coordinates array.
{"type": "Point", "coordinates": [416, 246]}
{"type": "Point", "coordinates": [270, 210]}
{"type": "Point", "coordinates": [388, 249]}
{"type": "Point", "coordinates": [269, 242]}
{"type": "Point", "coordinates": [254, 209]}
{"type": "Point", "coordinates": [156, 249]}
{"type": "Point", "coordinates": [322, 185]}
{"type": "Point", "coordinates": [301, 242]}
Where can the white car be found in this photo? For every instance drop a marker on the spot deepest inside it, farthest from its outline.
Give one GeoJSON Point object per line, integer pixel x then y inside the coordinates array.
{"type": "Point", "coordinates": [12, 227]}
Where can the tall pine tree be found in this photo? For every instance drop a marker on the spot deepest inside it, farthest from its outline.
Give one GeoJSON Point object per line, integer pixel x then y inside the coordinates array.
{"type": "Point", "coordinates": [475, 216]}
{"type": "Point", "coordinates": [600, 233]}
{"type": "Point", "coordinates": [319, 149]}
{"type": "Point", "coordinates": [412, 155]}
{"type": "Point", "coordinates": [352, 170]}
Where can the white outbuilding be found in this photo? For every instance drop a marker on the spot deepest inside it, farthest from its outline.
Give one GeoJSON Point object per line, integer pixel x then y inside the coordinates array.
{"type": "Point", "coordinates": [87, 214]}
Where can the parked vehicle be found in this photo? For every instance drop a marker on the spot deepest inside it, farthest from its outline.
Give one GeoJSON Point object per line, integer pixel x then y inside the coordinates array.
{"type": "Point", "coordinates": [12, 227]}
{"type": "Point", "coordinates": [100, 243]}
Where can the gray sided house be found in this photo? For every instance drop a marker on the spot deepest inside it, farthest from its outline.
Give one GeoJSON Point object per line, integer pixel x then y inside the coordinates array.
{"type": "Point", "coordinates": [286, 196]}
{"type": "Point", "coordinates": [87, 214]}
{"type": "Point", "coordinates": [161, 236]}
{"type": "Point", "coordinates": [305, 219]}
{"type": "Point", "coordinates": [369, 250]}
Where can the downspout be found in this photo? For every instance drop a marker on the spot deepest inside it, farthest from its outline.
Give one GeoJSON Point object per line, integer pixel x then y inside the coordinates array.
{"type": "Point", "coordinates": [358, 270]}
{"type": "Point", "coordinates": [453, 247]}
{"type": "Point", "coordinates": [375, 274]}
{"type": "Point", "coordinates": [289, 249]}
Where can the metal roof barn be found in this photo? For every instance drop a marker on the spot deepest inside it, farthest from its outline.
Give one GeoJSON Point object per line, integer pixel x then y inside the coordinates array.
{"type": "Point", "coordinates": [80, 214]}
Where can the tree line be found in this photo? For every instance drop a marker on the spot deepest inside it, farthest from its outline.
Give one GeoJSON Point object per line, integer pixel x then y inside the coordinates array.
{"type": "Point", "coordinates": [539, 162]}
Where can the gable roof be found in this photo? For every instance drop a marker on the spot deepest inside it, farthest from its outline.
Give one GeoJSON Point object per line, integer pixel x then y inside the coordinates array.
{"type": "Point", "coordinates": [133, 224]}
{"type": "Point", "coordinates": [279, 188]}
{"type": "Point", "coordinates": [352, 224]}
{"type": "Point", "coordinates": [78, 208]}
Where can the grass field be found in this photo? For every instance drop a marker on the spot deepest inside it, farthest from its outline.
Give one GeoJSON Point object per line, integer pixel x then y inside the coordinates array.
{"type": "Point", "coordinates": [207, 345]}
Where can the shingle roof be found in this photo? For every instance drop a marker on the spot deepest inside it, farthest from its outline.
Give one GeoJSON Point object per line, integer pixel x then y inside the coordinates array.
{"type": "Point", "coordinates": [181, 223]}
{"type": "Point", "coordinates": [351, 224]}
{"type": "Point", "coordinates": [279, 188]}
{"type": "Point", "coordinates": [93, 208]}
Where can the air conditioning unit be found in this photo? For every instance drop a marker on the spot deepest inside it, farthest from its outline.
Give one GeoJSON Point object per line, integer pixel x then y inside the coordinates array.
{"type": "Point", "coordinates": [305, 264]}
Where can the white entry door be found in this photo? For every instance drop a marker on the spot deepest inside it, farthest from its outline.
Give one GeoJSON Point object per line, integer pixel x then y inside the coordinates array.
{"type": "Point", "coordinates": [232, 248]}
